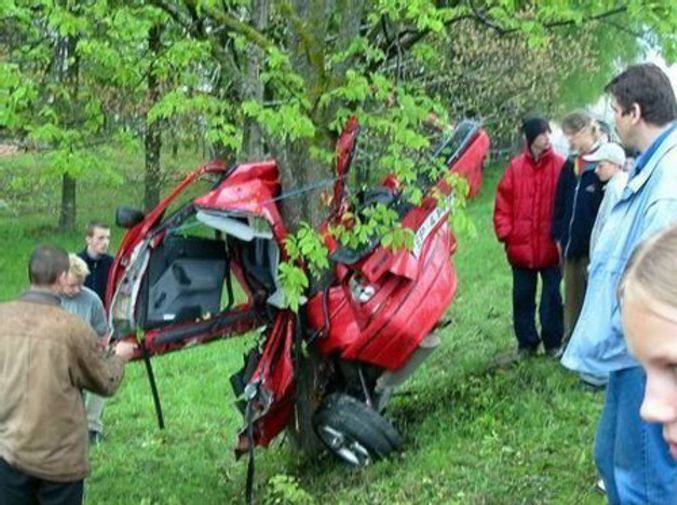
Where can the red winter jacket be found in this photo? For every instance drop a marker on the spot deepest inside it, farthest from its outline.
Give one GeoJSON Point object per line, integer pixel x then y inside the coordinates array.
{"type": "Point", "coordinates": [524, 206]}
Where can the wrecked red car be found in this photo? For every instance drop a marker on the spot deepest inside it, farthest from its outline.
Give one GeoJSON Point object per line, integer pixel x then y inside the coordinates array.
{"type": "Point", "coordinates": [207, 270]}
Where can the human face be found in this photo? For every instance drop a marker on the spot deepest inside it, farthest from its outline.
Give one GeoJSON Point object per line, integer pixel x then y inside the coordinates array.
{"type": "Point", "coordinates": [98, 242]}
{"type": "Point", "coordinates": [541, 143]}
{"type": "Point", "coordinates": [651, 331]}
{"type": "Point", "coordinates": [605, 170]}
{"type": "Point", "coordinates": [581, 141]}
{"type": "Point", "coordinates": [626, 123]}
{"type": "Point", "coordinates": [72, 285]}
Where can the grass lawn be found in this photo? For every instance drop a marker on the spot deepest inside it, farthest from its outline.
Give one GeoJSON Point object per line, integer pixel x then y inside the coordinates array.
{"type": "Point", "coordinates": [477, 430]}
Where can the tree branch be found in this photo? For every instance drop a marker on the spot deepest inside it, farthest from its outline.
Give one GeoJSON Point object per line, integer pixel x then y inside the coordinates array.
{"type": "Point", "coordinates": [173, 13]}
{"type": "Point", "coordinates": [480, 17]}
{"type": "Point", "coordinates": [484, 20]}
{"type": "Point", "coordinates": [408, 38]}
{"type": "Point", "coordinates": [596, 17]}
{"type": "Point", "coordinates": [234, 24]}
{"type": "Point", "coordinates": [626, 30]}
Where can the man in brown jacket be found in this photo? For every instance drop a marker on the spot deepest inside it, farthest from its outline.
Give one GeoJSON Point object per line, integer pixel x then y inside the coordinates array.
{"type": "Point", "coordinates": [47, 357]}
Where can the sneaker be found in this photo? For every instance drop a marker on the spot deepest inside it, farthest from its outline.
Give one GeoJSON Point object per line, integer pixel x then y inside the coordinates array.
{"type": "Point", "coordinates": [95, 437]}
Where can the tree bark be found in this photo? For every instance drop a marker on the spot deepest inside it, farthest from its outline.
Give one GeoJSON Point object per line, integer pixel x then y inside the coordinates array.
{"type": "Point", "coordinates": [307, 30]}
{"type": "Point", "coordinates": [69, 70]}
{"type": "Point", "coordinates": [309, 375]}
{"type": "Point", "coordinates": [153, 139]}
{"type": "Point", "coordinates": [68, 209]}
{"type": "Point", "coordinates": [252, 88]}
{"type": "Point", "coordinates": [307, 27]}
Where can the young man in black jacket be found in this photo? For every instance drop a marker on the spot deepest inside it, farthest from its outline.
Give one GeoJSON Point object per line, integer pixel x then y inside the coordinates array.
{"type": "Point", "coordinates": [95, 254]}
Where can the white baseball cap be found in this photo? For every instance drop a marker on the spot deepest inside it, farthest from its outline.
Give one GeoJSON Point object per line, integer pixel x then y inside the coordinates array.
{"type": "Point", "coordinates": [609, 151]}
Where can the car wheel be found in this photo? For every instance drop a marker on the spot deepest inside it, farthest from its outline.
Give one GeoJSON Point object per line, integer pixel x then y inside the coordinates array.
{"type": "Point", "coordinates": [353, 431]}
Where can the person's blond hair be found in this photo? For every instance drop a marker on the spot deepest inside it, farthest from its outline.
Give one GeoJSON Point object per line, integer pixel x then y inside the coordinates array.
{"type": "Point", "coordinates": [576, 120]}
{"type": "Point", "coordinates": [653, 268]}
{"type": "Point", "coordinates": [78, 267]}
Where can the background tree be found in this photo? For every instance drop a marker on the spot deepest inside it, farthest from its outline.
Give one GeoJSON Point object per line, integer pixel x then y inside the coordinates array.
{"type": "Point", "coordinates": [251, 78]}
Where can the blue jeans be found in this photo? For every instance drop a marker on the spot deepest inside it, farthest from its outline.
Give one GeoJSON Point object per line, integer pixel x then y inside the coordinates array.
{"type": "Point", "coordinates": [631, 455]}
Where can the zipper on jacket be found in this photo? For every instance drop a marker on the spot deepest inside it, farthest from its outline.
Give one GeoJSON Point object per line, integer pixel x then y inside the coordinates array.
{"type": "Point", "coordinates": [573, 213]}
{"type": "Point", "coordinates": [573, 207]}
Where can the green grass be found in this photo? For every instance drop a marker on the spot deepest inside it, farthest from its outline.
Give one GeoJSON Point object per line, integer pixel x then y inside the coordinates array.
{"type": "Point", "coordinates": [476, 431]}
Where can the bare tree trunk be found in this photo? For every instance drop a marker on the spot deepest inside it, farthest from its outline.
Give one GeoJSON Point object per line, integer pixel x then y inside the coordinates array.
{"type": "Point", "coordinates": [68, 208]}
{"type": "Point", "coordinates": [310, 377]}
{"type": "Point", "coordinates": [307, 34]}
{"type": "Point", "coordinates": [69, 70]}
{"type": "Point", "coordinates": [307, 29]}
{"type": "Point", "coordinates": [153, 139]}
{"type": "Point", "coordinates": [252, 143]}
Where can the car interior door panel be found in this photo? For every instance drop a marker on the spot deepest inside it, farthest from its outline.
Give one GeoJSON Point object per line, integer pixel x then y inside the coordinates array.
{"type": "Point", "coordinates": [184, 281]}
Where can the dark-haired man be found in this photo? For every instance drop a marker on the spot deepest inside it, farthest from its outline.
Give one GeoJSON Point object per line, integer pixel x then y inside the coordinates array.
{"type": "Point", "coordinates": [47, 356]}
{"type": "Point", "coordinates": [631, 455]}
{"type": "Point", "coordinates": [522, 220]}
{"type": "Point", "coordinates": [96, 256]}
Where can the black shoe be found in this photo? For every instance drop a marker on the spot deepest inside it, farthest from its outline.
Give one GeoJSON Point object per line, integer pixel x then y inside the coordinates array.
{"type": "Point", "coordinates": [525, 353]}
{"type": "Point", "coordinates": [95, 437]}
{"type": "Point", "coordinates": [554, 353]}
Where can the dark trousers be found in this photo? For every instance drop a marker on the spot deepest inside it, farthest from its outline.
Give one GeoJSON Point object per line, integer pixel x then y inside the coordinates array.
{"type": "Point", "coordinates": [19, 488]}
{"type": "Point", "coordinates": [524, 282]}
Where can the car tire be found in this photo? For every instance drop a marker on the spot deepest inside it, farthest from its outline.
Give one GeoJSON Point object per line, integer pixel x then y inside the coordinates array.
{"type": "Point", "coordinates": [354, 432]}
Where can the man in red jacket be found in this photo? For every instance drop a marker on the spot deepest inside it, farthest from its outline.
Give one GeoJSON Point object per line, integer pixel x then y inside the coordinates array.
{"type": "Point", "coordinates": [522, 219]}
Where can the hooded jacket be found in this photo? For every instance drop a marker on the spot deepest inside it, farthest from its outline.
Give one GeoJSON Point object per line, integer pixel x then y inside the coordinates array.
{"type": "Point", "coordinates": [523, 209]}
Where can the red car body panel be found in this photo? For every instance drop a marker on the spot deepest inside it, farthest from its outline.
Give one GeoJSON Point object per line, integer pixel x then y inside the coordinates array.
{"type": "Point", "coordinates": [275, 373]}
{"type": "Point", "coordinates": [471, 163]}
{"type": "Point", "coordinates": [385, 330]}
{"type": "Point", "coordinates": [250, 189]}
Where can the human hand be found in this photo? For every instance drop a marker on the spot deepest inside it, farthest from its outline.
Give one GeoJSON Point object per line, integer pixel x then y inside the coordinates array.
{"type": "Point", "coordinates": [125, 349]}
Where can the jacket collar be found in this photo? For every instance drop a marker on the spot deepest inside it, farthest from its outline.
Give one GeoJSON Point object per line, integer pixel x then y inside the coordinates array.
{"type": "Point", "coordinates": [84, 254]}
{"type": "Point", "coordinates": [545, 155]}
{"type": "Point", "coordinates": [637, 180]}
{"type": "Point", "coordinates": [42, 297]}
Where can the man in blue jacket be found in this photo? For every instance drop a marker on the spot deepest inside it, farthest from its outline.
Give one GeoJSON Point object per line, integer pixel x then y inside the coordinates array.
{"type": "Point", "coordinates": [631, 455]}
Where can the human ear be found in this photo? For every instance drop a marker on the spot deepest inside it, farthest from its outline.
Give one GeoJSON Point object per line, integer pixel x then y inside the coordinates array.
{"type": "Point", "coordinates": [60, 282]}
{"type": "Point", "coordinates": [635, 112]}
